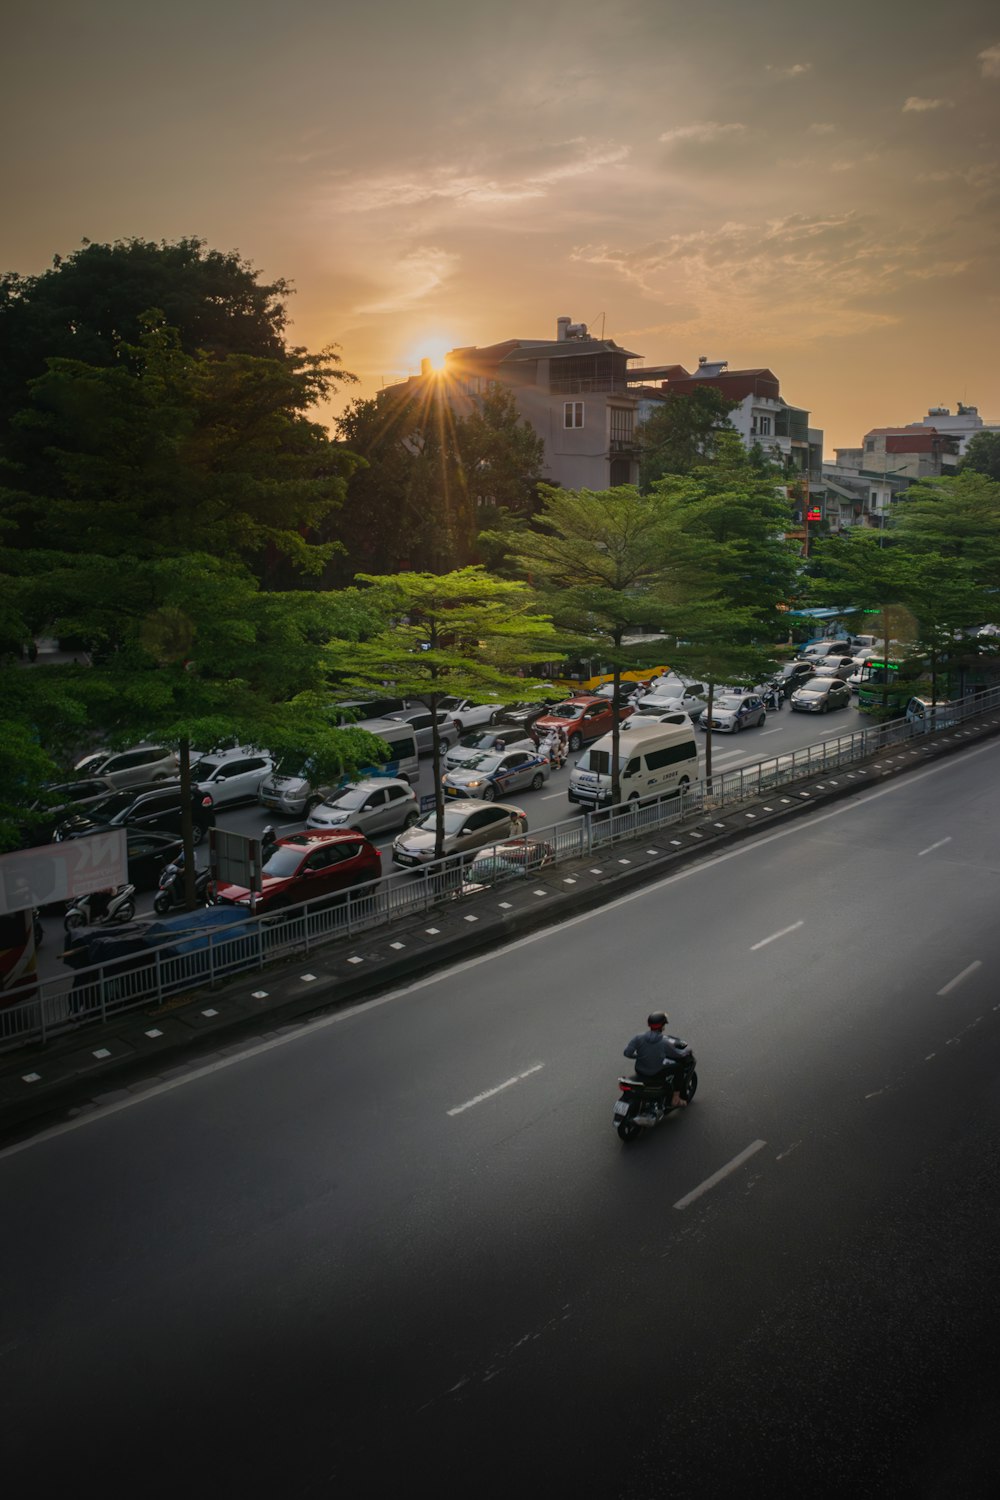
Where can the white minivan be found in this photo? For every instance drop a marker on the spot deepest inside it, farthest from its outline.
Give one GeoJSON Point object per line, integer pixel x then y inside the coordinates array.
{"type": "Point", "coordinates": [653, 762]}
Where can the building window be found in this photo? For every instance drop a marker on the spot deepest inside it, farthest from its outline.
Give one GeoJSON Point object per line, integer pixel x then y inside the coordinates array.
{"type": "Point", "coordinates": [761, 427]}
{"type": "Point", "coordinates": [622, 426]}
{"type": "Point", "coordinates": [572, 413]}
{"type": "Point", "coordinates": [869, 445]}
{"type": "Point", "coordinates": [874, 497]}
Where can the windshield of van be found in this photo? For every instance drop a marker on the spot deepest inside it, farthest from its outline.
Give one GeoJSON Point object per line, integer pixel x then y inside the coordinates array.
{"type": "Point", "coordinates": [298, 766]}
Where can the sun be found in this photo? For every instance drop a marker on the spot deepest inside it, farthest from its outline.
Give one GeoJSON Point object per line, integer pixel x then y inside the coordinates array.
{"type": "Point", "coordinates": [433, 347]}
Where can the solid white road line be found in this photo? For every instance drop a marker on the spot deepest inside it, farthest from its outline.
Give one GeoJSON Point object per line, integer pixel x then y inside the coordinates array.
{"type": "Point", "coordinates": [775, 936]}
{"type": "Point", "coordinates": [952, 983]}
{"type": "Point", "coordinates": [499, 1089]}
{"type": "Point", "coordinates": [717, 1177]}
{"type": "Point", "coordinates": [931, 847]}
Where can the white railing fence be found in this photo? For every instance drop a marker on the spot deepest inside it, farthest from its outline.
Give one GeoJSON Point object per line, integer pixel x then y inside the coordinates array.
{"type": "Point", "coordinates": [157, 975]}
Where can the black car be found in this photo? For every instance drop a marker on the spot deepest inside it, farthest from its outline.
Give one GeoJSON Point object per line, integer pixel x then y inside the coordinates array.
{"type": "Point", "coordinates": [58, 801]}
{"type": "Point", "coordinates": [148, 852]}
{"type": "Point", "coordinates": [792, 675]}
{"type": "Point", "coordinates": [523, 715]}
{"type": "Point", "coordinates": [158, 809]}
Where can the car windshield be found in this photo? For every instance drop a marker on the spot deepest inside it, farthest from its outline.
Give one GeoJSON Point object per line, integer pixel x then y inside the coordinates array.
{"type": "Point", "coordinates": [564, 711]}
{"type": "Point", "coordinates": [282, 863]}
{"type": "Point", "coordinates": [294, 765]}
{"type": "Point", "coordinates": [454, 821]}
{"type": "Point", "coordinates": [485, 761]}
{"type": "Point", "coordinates": [816, 685]}
{"type": "Point", "coordinates": [480, 737]}
{"type": "Point", "coordinates": [728, 703]}
{"type": "Point", "coordinates": [348, 799]}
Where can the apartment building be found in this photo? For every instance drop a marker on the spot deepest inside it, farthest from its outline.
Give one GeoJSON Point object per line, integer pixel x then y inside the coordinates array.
{"type": "Point", "coordinates": [573, 390]}
{"type": "Point", "coordinates": [761, 414]}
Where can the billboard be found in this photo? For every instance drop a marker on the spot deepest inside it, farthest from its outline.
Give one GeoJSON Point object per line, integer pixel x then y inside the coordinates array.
{"type": "Point", "coordinates": [64, 871]}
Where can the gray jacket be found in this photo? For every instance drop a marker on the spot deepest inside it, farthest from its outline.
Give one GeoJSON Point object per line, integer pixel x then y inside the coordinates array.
{"type": "Point", "coordinates": [653, 1051]}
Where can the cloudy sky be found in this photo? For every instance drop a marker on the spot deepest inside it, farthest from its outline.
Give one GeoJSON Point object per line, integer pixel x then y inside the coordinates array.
{"type": "Point", "coordinates": [816, 189]}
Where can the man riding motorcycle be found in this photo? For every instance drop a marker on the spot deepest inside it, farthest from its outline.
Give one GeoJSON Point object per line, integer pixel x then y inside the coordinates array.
{"type": "Point", "coordinates": [656, 1058]}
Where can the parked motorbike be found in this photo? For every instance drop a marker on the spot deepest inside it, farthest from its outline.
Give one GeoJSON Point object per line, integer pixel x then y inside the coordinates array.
{"type": "Point", "coordinates": [101, 908]}
{"type": "Point", "coordinates": [774, 696]}
{"type": "Point", "coordinates": [171, 894]}
{"type": "Point", "coordinates": [643, 1105]}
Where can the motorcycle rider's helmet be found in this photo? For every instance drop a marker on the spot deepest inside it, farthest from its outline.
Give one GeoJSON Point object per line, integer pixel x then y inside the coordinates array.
{"type": "Point", "coordinates": [657, 1020]}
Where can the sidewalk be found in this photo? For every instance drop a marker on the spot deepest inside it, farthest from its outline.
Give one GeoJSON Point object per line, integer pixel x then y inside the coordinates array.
{"type": "Point", "coordinates": [99, 1065]}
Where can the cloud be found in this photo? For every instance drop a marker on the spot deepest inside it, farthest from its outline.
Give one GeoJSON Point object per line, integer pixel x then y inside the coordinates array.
{"type": "Point", "coordinates": [796, 70]}
{"type": "Point", "coordinates": [918, 106]}
{"type": "Point", "coordinates": [447, 183]}
{"type": "Point", "coordinates": [704, 134]}
{"type": "Point", "coordinates": [819, 128]}
{"type": "Point", "coordinates": [836, 274]}
{"type": "Point", "coordinates": [990, 60]}
{"type": "Point", "coordinates": [415, 276]}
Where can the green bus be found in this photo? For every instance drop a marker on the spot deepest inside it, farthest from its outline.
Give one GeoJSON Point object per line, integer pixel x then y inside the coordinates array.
{"type": "Point", "coordinates": [881, 684]}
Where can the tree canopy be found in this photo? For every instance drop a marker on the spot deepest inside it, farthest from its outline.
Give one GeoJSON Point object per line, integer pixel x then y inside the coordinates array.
{"type": "Point", "coordinates": [682, 433]}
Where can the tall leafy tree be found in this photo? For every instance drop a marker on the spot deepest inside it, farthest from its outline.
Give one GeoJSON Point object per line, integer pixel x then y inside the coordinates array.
{"type": "Point", "coordinates": [88, 305]}
{"type": "Point", "coordinates": [982, 455]}
{"type": "Point", "coordinates": [741, 514]}
{"type": "Point", "coordinates": [683, 433]}
{"type": "Point", "coordinates": [173, 483]}
{"type": "Point", "coordinates": [461, 633]}
{"type": "Point", "coordinates": [605, 564]}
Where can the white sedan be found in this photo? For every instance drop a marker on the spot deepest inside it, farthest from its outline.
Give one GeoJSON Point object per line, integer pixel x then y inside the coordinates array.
{"type": "Point", "coordinates": [466, 714]}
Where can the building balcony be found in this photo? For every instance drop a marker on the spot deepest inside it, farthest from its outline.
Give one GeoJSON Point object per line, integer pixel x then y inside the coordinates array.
{"type": "Point", "coordinates": [571, 385]}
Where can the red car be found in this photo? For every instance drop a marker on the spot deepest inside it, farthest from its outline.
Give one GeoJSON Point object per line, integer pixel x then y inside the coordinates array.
{"type": "Point", "coordinates": [307, 865]}
{"type": "Point", "coordinates": [583, 718]}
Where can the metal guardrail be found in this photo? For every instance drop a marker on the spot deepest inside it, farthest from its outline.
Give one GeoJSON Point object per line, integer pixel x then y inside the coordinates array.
{"type": "Point", "coordinates": [155, 977]}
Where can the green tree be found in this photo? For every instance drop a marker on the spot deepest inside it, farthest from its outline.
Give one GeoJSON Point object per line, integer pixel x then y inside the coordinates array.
{"type": "Point", "coordinates": [88, 305]}
{"type": "Point", "coordinates": [682, 434]}
{"type": "Point", "coordinates": [742, 514]}
{"type": "Point", "coordinates": [605, 563]}
{"type": "Point", "coordinates": [502, 458]}
{"type": "Point", "coordinates": [461, 633]}
{"type": "Point", "coordinates": [982, 455]}
{"type": "Point", "coordinates": [168, 477]}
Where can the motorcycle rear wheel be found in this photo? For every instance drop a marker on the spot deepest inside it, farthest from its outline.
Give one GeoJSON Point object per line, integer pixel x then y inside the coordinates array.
{"type": "Point", "coordinates": [73, 920]}
{"type": "Point", "coordinates": [628, 1130]}
{"type": "Point", "coordinates": [161, 905]}
{"type": "Point", "coordinates": [125, 913]}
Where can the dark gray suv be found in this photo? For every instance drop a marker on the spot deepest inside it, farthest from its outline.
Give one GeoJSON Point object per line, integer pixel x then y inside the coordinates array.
{"type": "Point", "coordinates": [157, 808]}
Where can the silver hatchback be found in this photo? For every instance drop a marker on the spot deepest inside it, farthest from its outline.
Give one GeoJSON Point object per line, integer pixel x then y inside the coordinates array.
{"type": "Point", "coordinates": [371, 806]}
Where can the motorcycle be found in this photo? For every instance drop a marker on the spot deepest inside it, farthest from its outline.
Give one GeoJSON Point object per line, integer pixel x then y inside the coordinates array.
{"type": "Point", "coordinates": [171, 897]}
{"type": "Point", "coordinates": [100, 908]}
{"type": "Point", "coordinates": [643, 1105]}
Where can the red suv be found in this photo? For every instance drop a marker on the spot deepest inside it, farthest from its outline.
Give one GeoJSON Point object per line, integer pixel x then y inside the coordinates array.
{"type": "Point", "coordinates": [307, 865]}
{"type": "Point", "coordinates": [584, 718]}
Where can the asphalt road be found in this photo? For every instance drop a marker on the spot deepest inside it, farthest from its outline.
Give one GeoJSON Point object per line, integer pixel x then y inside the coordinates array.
{"type": "Point", "coordinates": [404, 1248]}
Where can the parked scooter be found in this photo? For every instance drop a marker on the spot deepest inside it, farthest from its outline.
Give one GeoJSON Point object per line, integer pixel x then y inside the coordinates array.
{"type": "Point", "coordinates": [171, 894]}
{"type": "Point", "coordinates": [100, 908]}
{"type": "Point", "coordinates": [643, 1105]}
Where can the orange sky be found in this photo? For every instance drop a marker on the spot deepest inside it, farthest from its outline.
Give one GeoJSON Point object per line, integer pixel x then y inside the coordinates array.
{"type": "Point", "coordinates": [815, 193]}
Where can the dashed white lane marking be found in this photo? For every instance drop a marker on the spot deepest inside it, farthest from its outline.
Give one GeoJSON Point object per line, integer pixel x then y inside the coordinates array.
{"type": "Point", "coordinates": [775, 936]}
{"type": "Point", "coordinates": [499, 1089]}
{"type": "Point", "coordinates": [945, 989]}
{"type": "Point", "coordinates": [717, 1177]}
{"type": "Point", "coordinates": [931, 847]}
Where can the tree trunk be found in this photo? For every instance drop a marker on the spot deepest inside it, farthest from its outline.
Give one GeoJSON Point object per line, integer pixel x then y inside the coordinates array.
{"type": "Point", "coordinates": [187, 823]}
